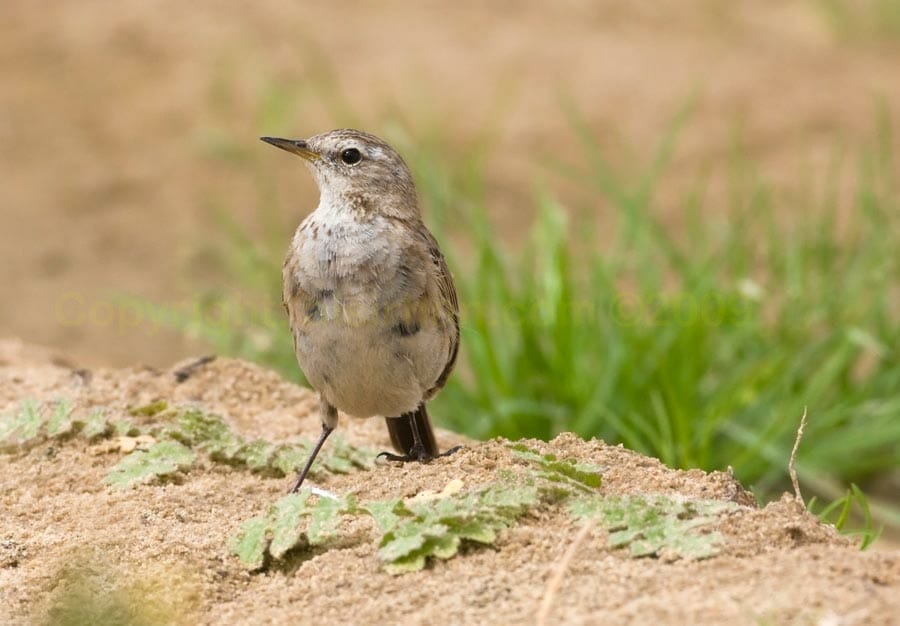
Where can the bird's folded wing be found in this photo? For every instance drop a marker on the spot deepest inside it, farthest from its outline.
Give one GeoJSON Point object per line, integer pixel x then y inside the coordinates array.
{"type": "Point", "coordinates": [448, 304]}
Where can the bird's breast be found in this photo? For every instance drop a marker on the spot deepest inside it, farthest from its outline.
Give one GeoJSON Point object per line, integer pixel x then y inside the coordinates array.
{"type": "Point", "coordinates": [357, 269]}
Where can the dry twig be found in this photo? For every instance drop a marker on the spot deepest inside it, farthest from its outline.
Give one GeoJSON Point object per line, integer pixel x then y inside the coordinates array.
{"type": "Point", "coordinates": [792, 471]}
{"type": "Point", "coordinates": [556, 580]}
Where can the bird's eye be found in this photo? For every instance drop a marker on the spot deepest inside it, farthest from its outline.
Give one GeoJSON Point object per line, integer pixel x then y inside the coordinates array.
{"type": "Point", "coordinates": [350, 156]}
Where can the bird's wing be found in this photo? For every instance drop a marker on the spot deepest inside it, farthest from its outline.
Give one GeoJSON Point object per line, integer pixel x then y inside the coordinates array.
{"type": "Point", "coordinates": [301, 305]}
{"type": "Point", "coordinates": [448, 304]}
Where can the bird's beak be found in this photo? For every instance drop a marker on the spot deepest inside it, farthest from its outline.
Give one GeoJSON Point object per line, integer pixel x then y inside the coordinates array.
{"type": "Point", "coordinates": [294, 146]}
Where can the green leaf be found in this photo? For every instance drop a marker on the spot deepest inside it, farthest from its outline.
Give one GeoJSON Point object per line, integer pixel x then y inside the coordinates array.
{"type": "Point", "coordinates": [282, 528]}
{"type": "Point", "coordinates": [61, 421]}
{"type": "Point", "coordinates": [251, 542]}
{"type": "Point", "coordinates": [284, 522]}
{"type": "Point", "coordinates": [567, 473]}
{"type": "Point", "coordinates": [444, 546]}
{"type": "Point", "coordinates": [124, 428]}
{"type": "Point", "coordinates": [436, 528]}
{"type": "Point", "coordinates": [326, 516]}
{"type": "Point", "coordinates": [342, 458]}
{"type": "Point", "coordinates": [868, 532]}
{"type": "Point", "coordinates": [15, 427]}
{"type": "Point", "coordinates": [387, 513]}
{"type": "Point", "coordinates": [162, 459]}
{"type": "Point", "coordinates": [288, 459]}
{"type": "Point", "coordinates": [256, 454]}
{"type": "Point", "coordinates": [476, 531]}
{"type": "Point", "coordinates": [203, 431]}
{"type": "Point", "coordinates": [31, 422]}
{"type": "Point", "coordinates": [95, 425]}
{"type": "Point", "coordinates": [510, 497]}
{"type": "Point", "coordinates": [407, 538]}
{"type": "Point", "coordinates": [8, 426]}
{"type": "Point", "coordinates": [149, 410]}
{"type": "Point", "coordinates": [411, 563]}
{"type": "Point", "coordinates": [338, 464]}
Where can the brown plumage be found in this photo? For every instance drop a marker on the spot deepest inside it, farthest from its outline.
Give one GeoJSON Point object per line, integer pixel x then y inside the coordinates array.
{"type": "Point", "coordinates": [369, 297]}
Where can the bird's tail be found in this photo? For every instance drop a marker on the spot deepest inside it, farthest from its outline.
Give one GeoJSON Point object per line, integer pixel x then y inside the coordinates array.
{"type": "Point", "coordinates": [400, 429]}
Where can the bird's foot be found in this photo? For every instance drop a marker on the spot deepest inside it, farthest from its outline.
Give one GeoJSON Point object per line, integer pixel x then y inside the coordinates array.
{"type": "Point", "coordinates": [417, 453]}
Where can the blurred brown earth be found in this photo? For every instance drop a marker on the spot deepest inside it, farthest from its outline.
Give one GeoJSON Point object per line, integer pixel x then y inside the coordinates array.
{"type": "Point", "coordinates": [116, 120]}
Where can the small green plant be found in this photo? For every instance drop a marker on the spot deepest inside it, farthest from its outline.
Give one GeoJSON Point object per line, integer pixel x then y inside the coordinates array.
{"type": "Point", "coordinates": [413, 532]}
{"type": "Point", "coordinates": [31, 422]}
{"type": "Point", "coordinates": [278, 531]}
{"type": "Point", "coordinates": [840, 513]}
{"type": "Point", "coordinates": [95, 425]}
{"type": "Point", "coordinates": [656, 525]}
{"type": "Point", "coordinates": [161, 459]}
{"type": "Point", "coordinates": [60, 422]}
{"type": "Point", "coordinates": [568, 473]}
{"type": "Point", "coordinates": [170, 444]}
{"type": "Point", "coordinates": [149, 410]}
{"type": "Point", "coordinates": [22, 425]}
{"type": "Point", "coordinates": [187, 431]}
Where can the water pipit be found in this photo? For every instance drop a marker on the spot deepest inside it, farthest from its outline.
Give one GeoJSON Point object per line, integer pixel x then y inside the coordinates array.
{"type": "Point", "coordinates": [371, 303]}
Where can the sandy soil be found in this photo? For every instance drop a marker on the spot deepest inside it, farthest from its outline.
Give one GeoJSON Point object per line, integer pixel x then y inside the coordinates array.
{"type": "Point", "coordinates": [160, 551]}
{"type": "Point", "coordinates": [110, 115]}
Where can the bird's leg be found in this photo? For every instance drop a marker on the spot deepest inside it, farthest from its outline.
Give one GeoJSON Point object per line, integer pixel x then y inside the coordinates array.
{"type": "Point", "coordinates": [417, 451]}
{"type": "Point", "coordinates": [329, 423]}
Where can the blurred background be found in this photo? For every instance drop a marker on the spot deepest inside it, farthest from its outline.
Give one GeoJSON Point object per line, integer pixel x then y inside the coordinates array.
{"type": "Point", "coordinates": [674, 227]}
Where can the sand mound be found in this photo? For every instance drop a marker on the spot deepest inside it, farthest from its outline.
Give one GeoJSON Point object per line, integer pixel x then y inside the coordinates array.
{"type": "Point", "coordinates": [157, 553]}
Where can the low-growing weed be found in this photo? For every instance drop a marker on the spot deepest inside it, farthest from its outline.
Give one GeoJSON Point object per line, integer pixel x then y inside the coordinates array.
{"type": "Point", "coordinates": [172, 443]}
{"type": "Point", "coordinates": [412, 531]}
{"type": "Point", "coordinates": [653, 525]}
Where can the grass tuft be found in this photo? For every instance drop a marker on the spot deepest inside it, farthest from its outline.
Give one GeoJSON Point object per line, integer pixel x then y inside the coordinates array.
{"type": "Point", "coordinates": [840, 512]}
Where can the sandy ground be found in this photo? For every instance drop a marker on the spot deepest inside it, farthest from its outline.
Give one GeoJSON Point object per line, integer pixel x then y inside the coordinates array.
{"type": "Point", "coordinates": [122, 122]}
{"type": "Point", "coordinates": [160, 550]}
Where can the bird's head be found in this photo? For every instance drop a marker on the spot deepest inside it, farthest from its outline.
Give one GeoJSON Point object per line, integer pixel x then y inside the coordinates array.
{"type": "Point", "coordinates": [356, 170]}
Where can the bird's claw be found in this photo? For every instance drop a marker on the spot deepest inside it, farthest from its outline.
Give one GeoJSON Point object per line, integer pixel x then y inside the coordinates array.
{"type": "Point", "coordinates": [416, 453]}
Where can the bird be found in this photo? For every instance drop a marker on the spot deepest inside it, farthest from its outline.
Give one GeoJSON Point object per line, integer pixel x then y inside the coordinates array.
{"type": "Point", "coordinates": [370, 300]}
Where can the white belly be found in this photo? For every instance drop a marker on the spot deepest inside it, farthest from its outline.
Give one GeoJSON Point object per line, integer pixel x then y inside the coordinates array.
{"type": "Point", "coordinates": [368, 369]}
